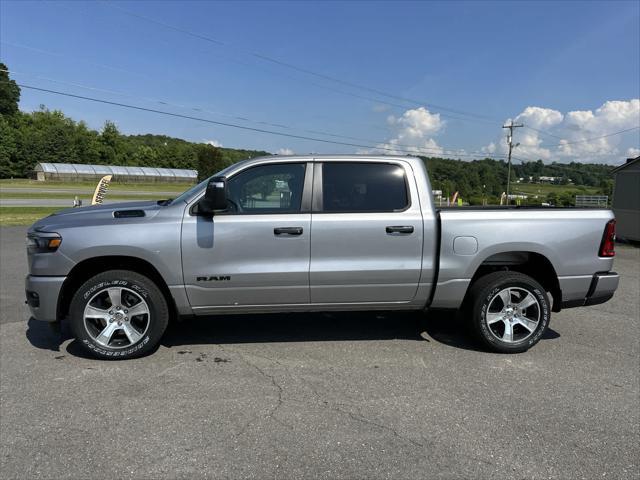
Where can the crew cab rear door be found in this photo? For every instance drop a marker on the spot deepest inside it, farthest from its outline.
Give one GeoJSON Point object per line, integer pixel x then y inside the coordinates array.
{"type": "Point", "coordinates": [257, 252]}
{"type": "Point", "coordinates": [366, 233]}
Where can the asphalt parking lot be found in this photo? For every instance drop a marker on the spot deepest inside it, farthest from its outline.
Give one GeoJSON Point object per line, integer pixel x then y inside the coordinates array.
{"type": "Point", "coordinates": [365, 395]}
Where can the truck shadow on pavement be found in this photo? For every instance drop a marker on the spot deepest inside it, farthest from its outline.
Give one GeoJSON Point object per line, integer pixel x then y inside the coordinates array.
{"type": "Point", "coordinates": [436, 327]}
{"type": "Point", "coordinates": [439, 327]}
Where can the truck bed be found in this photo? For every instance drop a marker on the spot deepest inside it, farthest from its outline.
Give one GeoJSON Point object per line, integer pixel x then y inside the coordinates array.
{"type": "Point", "coordinates": [567, 238]}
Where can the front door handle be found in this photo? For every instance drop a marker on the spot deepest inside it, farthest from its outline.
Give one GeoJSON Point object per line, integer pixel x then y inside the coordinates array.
{"type": "Point", "coordinates": [287, 231]}
{"type": "Point", "coordinates": [406, 229]}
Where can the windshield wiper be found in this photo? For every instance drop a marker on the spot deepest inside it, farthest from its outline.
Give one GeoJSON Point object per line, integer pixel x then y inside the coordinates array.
{"type": "Point", "coordinates": [164, 203]}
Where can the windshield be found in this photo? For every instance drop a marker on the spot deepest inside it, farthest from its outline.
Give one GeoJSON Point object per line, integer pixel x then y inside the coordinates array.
{"type": "Point", "coordinates": [184, 196]}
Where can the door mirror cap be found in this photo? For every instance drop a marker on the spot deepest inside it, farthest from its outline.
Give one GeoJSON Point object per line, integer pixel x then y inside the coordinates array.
{"type": "Point", "coordinates": [215, 197]}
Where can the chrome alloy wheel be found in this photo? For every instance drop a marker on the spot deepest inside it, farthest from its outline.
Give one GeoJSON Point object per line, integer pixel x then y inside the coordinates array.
{"type": "Point", "coordinates": [513, 315]}
{"type": "Point", "coordinates": [116, 317]}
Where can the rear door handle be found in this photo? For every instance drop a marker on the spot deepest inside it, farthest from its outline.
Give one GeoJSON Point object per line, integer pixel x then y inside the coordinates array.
{"type": "Point", "coordinates": [406, 229]}
{"type": "Point", "coordinates": [287, 231]}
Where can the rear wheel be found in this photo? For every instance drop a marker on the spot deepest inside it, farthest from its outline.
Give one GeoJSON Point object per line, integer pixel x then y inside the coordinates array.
{"type": "Point", "coordinates": [509, 311]}
{"type": "Point", "coordinates": [119, 314]}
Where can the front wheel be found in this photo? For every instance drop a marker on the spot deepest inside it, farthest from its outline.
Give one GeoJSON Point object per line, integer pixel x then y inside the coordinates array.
{"type": "Point", "coordinates": [509, 311]}
{"type": "Point", "coordinates": [118, 314]}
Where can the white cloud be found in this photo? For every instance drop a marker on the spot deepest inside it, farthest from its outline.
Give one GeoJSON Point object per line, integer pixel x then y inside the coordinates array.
{"type": "Point", "coordinates": [413, 133]}
{"type": "Point", "coordinates": [554, 136]}
{"type": "Point", "coordinates": [540, 117]}
{"type": "Point", "coordinates": [633, 152]}
{"type": "Point", "coordinates": [529, 140]}
{"type": "Point", "coordinates": [581, 125]}
{"type": "Point", "coordinates": [214, 143]}
{"type": "Point", "coordinates": [491, 148]}
{"type": "Point", "coordinates": [417, 123]}
{"type": "Point", "coordinates": [285, 151]}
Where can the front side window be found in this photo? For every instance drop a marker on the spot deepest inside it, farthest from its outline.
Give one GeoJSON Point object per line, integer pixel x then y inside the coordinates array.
{"type": "Point", "coordinates": [267, 189]}
{"type": "Point", "coordinates": [363, 187]}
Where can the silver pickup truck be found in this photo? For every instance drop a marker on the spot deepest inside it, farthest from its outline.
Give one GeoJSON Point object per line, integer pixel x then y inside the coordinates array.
{"type": "Point", "coordinates": [308, 233]}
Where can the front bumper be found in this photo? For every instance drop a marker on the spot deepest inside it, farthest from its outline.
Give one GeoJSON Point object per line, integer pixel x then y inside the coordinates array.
{"type": "Point", "coordinates": [602, 288]}
{"type": "Point", "coordinates": [42, 296]}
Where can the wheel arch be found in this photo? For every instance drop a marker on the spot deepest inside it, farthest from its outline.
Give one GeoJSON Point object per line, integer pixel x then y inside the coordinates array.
{"type": "Point", "coordinates": [533, 264]}
{"type": "Point", "coordinates": [89, 267]}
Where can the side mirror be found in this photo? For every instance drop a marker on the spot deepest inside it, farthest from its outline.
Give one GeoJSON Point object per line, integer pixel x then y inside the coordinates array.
{"type": "Point", "coordinates": [215, 197]}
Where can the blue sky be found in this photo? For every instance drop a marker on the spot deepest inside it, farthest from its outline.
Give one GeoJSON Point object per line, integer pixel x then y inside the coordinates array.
{"type": "Point", "coordinates": [568, 69]}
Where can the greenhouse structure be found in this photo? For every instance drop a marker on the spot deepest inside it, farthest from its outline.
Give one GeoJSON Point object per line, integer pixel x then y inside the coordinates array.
{"type": "Point", "coordinates": [70, 172]}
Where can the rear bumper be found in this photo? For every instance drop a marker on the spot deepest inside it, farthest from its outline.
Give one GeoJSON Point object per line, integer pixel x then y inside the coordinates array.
{"type": "Point", "coordinates": [601, 290]}
{"type": "Point", "coordinates": [42, 296]}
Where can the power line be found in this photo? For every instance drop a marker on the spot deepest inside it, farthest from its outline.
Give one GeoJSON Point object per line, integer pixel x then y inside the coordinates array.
{"type": "Point", "coordinates": [442, 150]}
{"type": "Point", "coordinates": [299, 69]}
{"type": "Point", "coordinates": [592, 139]}
{"type": "Point", "coordinates": [291, 66]}
{"type": "Point", "coordinates": [85, 60]}
{"type": "Point", "coordinates": [409, 148]}
{"type": "Point", "coordinates": [544, 132]}
{"type": "Point", "coordinates": [416, 150]}
{"type": "Point", "coordinates": [316, 84]}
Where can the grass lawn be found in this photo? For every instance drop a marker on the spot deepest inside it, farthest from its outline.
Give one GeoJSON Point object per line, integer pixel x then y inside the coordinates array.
{"type": "Point", "coordinates": [545, 189]}
{"type": "Point", "coordinates": [11, 216]}
{"type": "Point", "coordinates": [136, 187]}
{"type": "Point", "coordinates": [86, 198]}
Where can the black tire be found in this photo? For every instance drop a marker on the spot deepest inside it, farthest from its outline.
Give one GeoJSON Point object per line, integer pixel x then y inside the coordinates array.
{"type": "Point", "coordinates": [150, 326]}
{"type": "Point", "coordinates": [483, 295]}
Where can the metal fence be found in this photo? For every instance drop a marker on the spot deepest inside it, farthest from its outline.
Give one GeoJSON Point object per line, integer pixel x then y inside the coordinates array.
{"type": "Point", "coordinates": [592, 200]}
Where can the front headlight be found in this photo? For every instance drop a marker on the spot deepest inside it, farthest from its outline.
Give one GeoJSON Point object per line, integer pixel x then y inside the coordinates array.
{"type": "Point", "coordinates": [43, 242]}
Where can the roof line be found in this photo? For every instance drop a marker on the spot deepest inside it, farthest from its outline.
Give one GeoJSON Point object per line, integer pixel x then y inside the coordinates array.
{"type": "Point", "coordinates": [630, 161]}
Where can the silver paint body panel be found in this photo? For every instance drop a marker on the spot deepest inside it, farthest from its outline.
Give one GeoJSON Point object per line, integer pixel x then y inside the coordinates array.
{"type": "Point", "coordinates": [263, 268]}
{"type": "Point", "coordinates": [354, 259]}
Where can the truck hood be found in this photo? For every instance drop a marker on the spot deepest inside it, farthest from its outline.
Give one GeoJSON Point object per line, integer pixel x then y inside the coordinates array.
{"type": "Point", "coordinates": [142, 211]}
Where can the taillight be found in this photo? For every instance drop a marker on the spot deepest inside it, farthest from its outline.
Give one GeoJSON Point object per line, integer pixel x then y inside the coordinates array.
{"type": "Point", "coordinates": [608, 245]}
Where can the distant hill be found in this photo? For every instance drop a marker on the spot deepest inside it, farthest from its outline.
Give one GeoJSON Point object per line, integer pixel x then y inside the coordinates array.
{"type": "Point", "coordinates": [488, 177]}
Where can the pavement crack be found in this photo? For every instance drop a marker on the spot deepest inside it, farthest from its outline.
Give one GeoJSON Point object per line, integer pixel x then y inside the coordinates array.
{"type": "Point", "coordinates": [271, 414]}
{"type": "Point", "coordinates": [279, 390]}
{"type": "Point", "coordinates": [366, 421]}
{"type": "Point", "coordinates": [336, 407]}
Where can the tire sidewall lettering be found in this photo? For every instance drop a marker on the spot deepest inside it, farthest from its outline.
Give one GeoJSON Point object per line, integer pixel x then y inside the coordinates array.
{"type": "Point", "coordinates": [116, 283]}
{"type": "Point", "coordinates": [102, 285]}
{"type": "Point", "coordinates": [116, 353]}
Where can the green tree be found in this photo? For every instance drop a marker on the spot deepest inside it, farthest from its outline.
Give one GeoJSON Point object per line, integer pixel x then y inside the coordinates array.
{"type": "Point", "coordinates": [9, 93]}
{"type": "Point", "coordinates": [8, 149]}
{"type": "Point", "coordinates": [209, 161]}
{"type": "Point", "coordinates": [566, 199]}
{"type": "Point", "coordinates": [606, 187]}
{"type": "Point", "coordinates": [145, 156]}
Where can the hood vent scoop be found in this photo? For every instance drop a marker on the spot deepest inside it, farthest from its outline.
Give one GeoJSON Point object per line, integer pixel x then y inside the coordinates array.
{"type": "Point", "coordinates": [128, 213]}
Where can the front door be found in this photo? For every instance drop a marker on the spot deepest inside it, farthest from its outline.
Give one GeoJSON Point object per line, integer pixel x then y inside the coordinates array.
{"type": "Point", "coordinates": [257, 252]}
{"type": "Point", "coordinates": [367, 234]}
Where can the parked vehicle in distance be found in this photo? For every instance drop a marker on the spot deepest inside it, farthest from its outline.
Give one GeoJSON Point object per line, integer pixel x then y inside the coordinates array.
{"type": "Point", "coordinates": [313, 233]}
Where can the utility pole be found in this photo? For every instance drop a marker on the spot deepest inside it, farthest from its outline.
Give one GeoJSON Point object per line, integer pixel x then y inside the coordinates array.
{"type": "Point", "coordinates": [511, 126]}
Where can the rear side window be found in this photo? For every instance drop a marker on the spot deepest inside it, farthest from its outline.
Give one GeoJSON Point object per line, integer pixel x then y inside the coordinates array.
{"type": "Point", "coordinates": [363, 187]}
